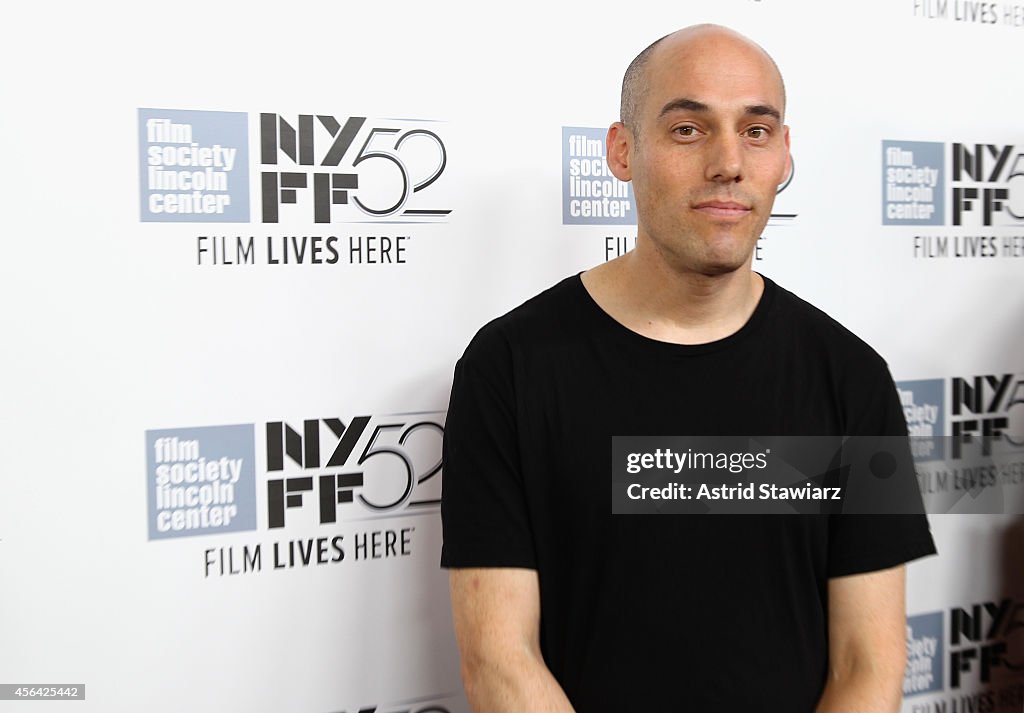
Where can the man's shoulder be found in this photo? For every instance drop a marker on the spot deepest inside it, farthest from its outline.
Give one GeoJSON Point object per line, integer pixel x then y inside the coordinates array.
{"type": "Point", "coordinates": [543, 317]}
{"type": "Point", "coordinates": [816, 330]}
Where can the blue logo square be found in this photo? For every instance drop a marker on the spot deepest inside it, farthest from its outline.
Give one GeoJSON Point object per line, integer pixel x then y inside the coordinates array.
{"type": "Point", "coordinates": [201, 481]}
{"type": "Point", "coordinates": [924, 409]}
{"type": "Point", "coordinates": [913, 183]}
{"type": "Point", "coordinates": [924, 654]}
{"type": "Point", "coordinates": [193, 166]}
{"type": "Point", "coordinates": [591, 195]}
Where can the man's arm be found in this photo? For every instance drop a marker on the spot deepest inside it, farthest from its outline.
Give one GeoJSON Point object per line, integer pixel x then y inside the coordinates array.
{"type": "Point", "coordinates": [497, 625]}
{"type": "Point", "coordinates": [867, 643]}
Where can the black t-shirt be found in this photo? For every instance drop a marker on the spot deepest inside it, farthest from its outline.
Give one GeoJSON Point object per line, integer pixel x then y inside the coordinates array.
{"type": "Point", "coordinates": [667, 613]}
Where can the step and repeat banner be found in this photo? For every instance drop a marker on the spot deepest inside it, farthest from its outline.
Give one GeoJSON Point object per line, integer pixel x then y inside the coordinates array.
{"type": "Point", "coordinates": [246, 243]}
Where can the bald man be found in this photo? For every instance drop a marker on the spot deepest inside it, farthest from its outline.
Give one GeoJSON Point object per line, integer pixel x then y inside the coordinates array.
{"type": "Point", "coordinates": [559, 605]}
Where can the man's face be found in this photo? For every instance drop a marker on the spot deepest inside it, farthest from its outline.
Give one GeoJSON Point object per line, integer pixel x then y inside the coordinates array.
{"type": "Point", "coordinates": [709, 153]}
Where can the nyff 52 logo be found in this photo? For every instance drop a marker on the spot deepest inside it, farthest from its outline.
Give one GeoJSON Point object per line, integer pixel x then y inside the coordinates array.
{"type": "Point", "coordinates": [990, 408]}
{"type": "Point", "coordinates": [374, 465]}
{"type": "Point", "coordinates": [985, 183]}
{"type": "Point", "coordinates": [984, 176]}
{"type": "Point", "coordinates": [980, 637]}
{"type": "Point", "coordinates": [333, 169]}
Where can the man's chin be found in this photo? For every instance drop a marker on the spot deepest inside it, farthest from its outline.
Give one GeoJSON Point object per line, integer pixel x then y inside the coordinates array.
{"type": "Point", "coordinates": [714, 267]}
{"type": "Point", "coordinates": [711, 255]}
{"type": "Point", "coordinates": [724, 262]}
{"type": "Point", "coordinates": [718, 269]}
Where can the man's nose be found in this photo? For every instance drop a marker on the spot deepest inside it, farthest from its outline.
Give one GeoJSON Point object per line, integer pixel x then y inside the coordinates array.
{"type": "Point", "coordinates": [725, 159]}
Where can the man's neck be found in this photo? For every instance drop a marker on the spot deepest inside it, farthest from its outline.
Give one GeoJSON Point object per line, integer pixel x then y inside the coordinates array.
{"type": "Point", "coordinates": [649, 297]}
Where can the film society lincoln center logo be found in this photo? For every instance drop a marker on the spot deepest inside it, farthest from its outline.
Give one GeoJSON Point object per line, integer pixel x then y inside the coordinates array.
{"type": "Point", "coordinates": [983, 187]}
{"type": "Point", "coordinates": [205, 480]}
{"type": "Point", "coordinates": [201, 480]}
{"type": "Point", "coordinates": [194, 166]}
{"type": "Point", "coordinates": [924, 411]}
{"type": "Point", "coordinates": [591, 195]}
{"type": "Point", "coordinates": [923, 673]}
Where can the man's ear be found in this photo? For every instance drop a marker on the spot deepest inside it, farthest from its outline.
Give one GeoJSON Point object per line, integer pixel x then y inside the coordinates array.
{"type": "Point", "coordinates": [789, 158]}
{"type": "Point", "coordinates": [619, 149]}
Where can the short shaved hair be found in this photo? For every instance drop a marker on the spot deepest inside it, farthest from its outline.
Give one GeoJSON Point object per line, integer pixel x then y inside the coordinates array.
{"type": "Point", "coordinates": [634, 88]}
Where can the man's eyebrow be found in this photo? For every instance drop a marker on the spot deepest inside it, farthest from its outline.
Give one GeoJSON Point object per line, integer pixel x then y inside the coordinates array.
{"type": "Point", "coordinates": [763, 110]}
{"type": "Point", "coordinates": [683, 105]}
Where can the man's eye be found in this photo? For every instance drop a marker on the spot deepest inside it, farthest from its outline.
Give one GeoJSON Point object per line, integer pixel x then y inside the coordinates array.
{"type": "Point", "coordinates": [686, 131]}
{"type": "Point", "coordinates": [757, 132]}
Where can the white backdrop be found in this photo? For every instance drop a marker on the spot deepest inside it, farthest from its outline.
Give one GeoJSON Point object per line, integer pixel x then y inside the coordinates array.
{"type": "Point", "coordinates": [119, 332]}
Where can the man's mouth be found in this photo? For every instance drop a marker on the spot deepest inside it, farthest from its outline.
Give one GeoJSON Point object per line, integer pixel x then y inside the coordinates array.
{"type": "Point", "coordinates": [722, 209]}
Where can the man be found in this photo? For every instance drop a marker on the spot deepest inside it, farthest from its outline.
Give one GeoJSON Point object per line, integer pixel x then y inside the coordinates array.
{"type": "Point", "coordinates": [560, 605]}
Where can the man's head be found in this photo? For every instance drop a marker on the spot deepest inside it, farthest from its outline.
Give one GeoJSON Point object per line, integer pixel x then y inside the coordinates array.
{"type": "Point", "coordinates": [634, 80]}
{"type": "Point", "coordinates": [702, 138]}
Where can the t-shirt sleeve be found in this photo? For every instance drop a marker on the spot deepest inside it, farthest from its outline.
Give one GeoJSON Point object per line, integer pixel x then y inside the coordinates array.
{"type": "Point", "coordinates": [867, 543]}
{"type": "Point", "coordinates": [484, 514]}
